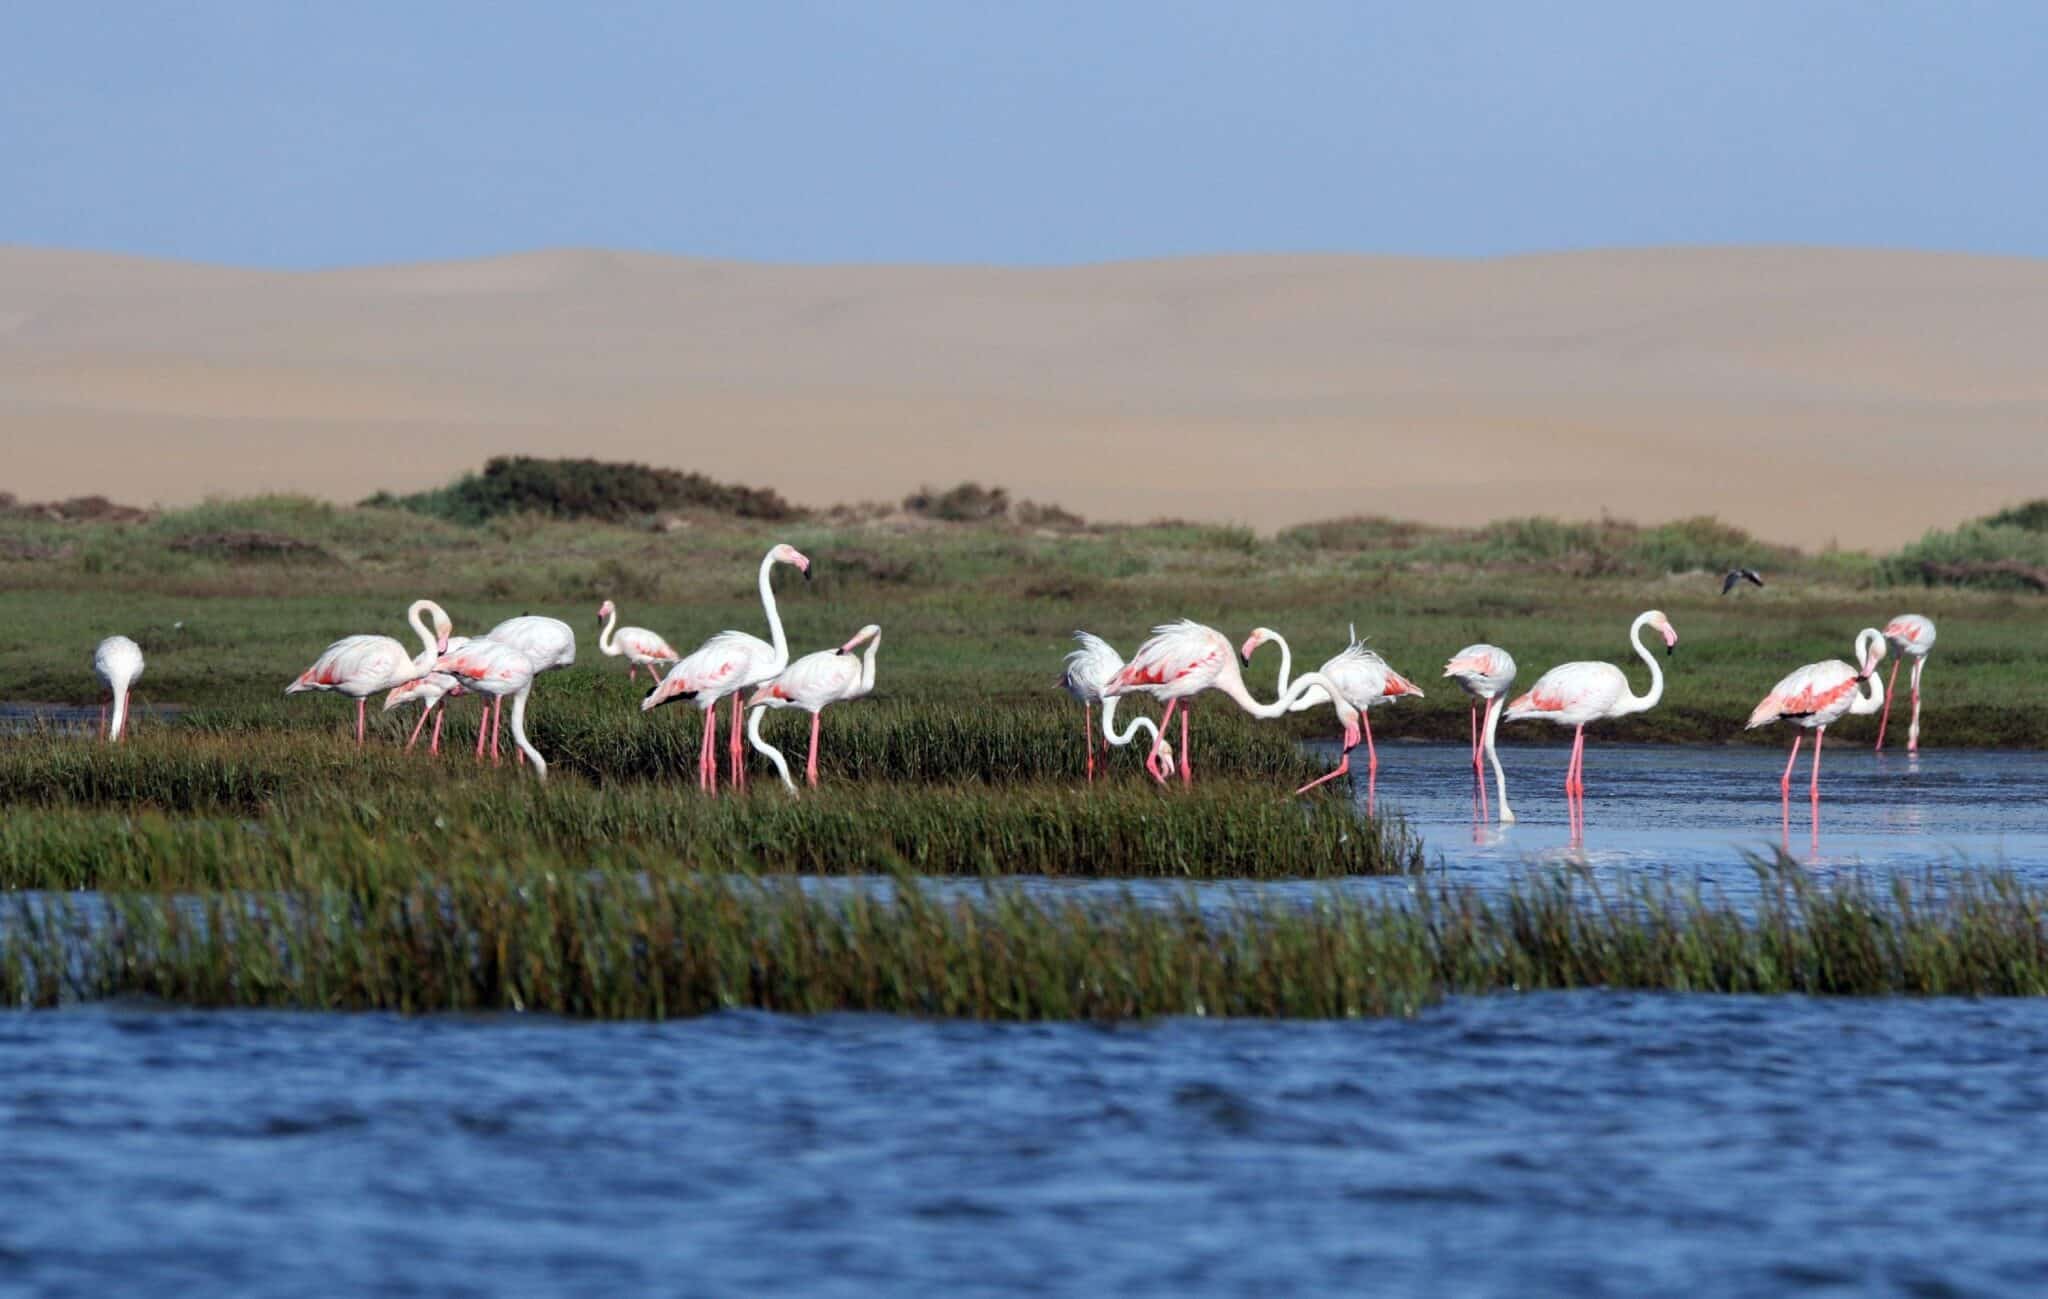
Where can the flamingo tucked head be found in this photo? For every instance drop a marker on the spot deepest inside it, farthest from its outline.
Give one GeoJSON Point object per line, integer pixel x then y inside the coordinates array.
{"type": "Point", "coordinates": [1663, 624]}
{"type": "Point", "coordinates": [862, 637]}
{"type": "Point", "coordinates": [788, 554]}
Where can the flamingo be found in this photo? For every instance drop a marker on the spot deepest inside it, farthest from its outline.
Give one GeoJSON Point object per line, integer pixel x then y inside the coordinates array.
{"type": "Point", "coordinates": [493, 668]}
{"type": "Point", "coordinates": [1485, 672]}
{"type": "Point", "coordinates": [1912, 636]}
{"type": "Point", "coordinates": [1184, 658]}
{"type": "Point", "coordinates": [431, 690]}
{"type": "Point", "coordinates": [1573, 694]}
{"type": "Point", "coordinates": [117, 662]}
{"type": "Point", "coordinates": [812, 683]}
{"type": "Point", "coordinates": [1089, 669]}
{"type": "Point", "coordinates": [1819, 695]}
{"type": "Point", "coordinates": [727, 664]}
{"type": "Point", "coordinates": [549, 643]}
{"type": "Point", "coordinates": [642, 648]}
{"type": "Point", "coordinates": [360, 666]}
{"type": "Point", "coordinates": [1364, 680]}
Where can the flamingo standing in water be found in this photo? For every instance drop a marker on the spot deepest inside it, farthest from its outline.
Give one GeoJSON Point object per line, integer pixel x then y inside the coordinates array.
{"type": "Point", "coordinates": [1184, 658]}
{"type": "Point", "coordinates": [1364, 680]}
{"type": "Point", "coordinates": [728, 663]}
{"type": "Point", "coordinates": [360, 666]}
{"type": "Point", "coordinates": [1573, 694]}
{"type": "Point", "coordinates": [812, 683]}
{"type": "Point", "coordinates": [117, 662]}
{"type": "Point", "coordinates": [1088, 670]}
{"type": "Point", "coordinates": [431, 691]}
{"type": "Point", "coordinates": [641, 647]}
{"type": "Point", "coordinates": [1819, 695]}
{"type": "Point", "coordinates": [495, 669]}
{"type": "Point", "coordinates": [1912, 636]}
{"type": "Point", "coordinates": [1485, 672]}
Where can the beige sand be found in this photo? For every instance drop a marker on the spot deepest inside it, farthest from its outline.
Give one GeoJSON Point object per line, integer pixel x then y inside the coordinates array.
{"type": "Point", "coordinates": [1811, 395]}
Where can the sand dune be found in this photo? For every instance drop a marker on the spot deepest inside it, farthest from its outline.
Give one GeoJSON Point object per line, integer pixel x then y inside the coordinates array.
{"type": "Point", "coordinates": [1812, 395]}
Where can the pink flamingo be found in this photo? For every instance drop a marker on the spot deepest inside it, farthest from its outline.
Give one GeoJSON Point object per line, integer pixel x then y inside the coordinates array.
{"type": "Point", "coordinates": [1088, 670]}
{"type": "Point", "coordinates": [1817, 696]}
{"type": "Point", "coordinates": [728, 663]}
{"type": "Point", "coordinates": [1364, 680]}
{"type": "Point", "coordinates": [1573, 694]}
{"type": "Point", "coordinates": [431, 691]}
{"type": "Point", "coordinates": [548, 643]}
{"type": "Point", "coordinates": [642, 648]}
{"type": "Point", "coordinates": [360, 666]}
{"type": "Point", "coordinates": [812, 683]}
{"type": "Point", "coordinates": [1912, 636]}
{"type": "Point", "coordinates": [1485, 672]}
{"type": "Point", "coordinates": [1184, 658]}
{"type": "Point", "coordinates": [491, 668]}
{"type": "Point", "coordinates": [117, 662]}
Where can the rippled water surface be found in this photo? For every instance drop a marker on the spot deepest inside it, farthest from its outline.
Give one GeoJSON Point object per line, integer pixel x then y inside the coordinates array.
{"type": "Point", "coordinates": [1568, 1144]}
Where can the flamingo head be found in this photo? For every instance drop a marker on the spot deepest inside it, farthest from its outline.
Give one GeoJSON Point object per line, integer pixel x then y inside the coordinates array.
{"type": "Point", "coordinates": [873, 631]}
{"type": "Point", "coordinates": [1259, 636]}
{"type": "Point", "coordinates": [1663, 625]}
{"type": "Point", "coordinates": [1166, 758]}
{"type": "Point", "coordinates": [605, 610]}
{"type": "Point", "coordinates": [669, 689]}
{"type": "Point", "coordinates": [788, 554]}
{"type": "Point", "coordinates": [1875, 654]}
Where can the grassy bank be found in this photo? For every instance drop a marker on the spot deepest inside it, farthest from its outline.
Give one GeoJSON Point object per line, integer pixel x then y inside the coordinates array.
{"type": "Point", "coordinates": [615, 946]}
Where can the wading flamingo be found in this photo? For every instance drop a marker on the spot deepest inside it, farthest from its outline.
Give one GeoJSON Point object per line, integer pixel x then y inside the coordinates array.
{"type": "Point", "coordinates": [360, 666]}
{"type": "Point", "coordinates": [1912, 636]}
{"type": "Point", "coordinates": [642, 648]}
{"type": "Point", "coordinates": [1364, 679]}
{"type": "Point", "coordinates": [1819, 695]}
{"type": "Point", "coordinates": [728, 663]}
{"type": "Point", "coordinates": [1184, 658]}
{"type": "Point", "coordinates": [117, 662]}
{"type": "Point", "coordinates": [1573, 694]}
{"type": "Point", "coordinates": [813, 683]}
{"type": "Point", "coordinates": [1485, 672]}
{"type": "Point", "coordinates": [1088, 670]}
{"type": "Point", "coordinates": [431, 692]}
{"type": "Point", "coordinates": [491, 668]}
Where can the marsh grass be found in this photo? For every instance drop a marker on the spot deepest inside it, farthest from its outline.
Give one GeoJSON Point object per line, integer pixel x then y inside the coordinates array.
{"type": "Point", "coordinates": [614, 945]}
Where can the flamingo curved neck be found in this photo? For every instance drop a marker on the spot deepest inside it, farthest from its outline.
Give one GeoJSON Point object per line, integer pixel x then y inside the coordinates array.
{"type": "Point", "coordinates": [867, 663]}
{"type": "Point", "coordinates": [540, 765]}
{"type": "Point", "coordinates": [1286, 661]}
{"type": "Point", "coordinates": [775, 637]}
{"type": "Point", "coordinates": [120, 708]}
{"type": "Point", "coordinates": [1232, 684]}
{"type": "Point", "coordinates": [1632, 702]}
{"type": "Point", "coordinates": [608, 644]}
{"type": "Point", "coordinates": [766, 749]}
{"type": "Point", "coordinates": [1130, 732]}
{"type": "Point", "coordinates": [1869, 686]}
{"type": "Point", "coordinates": [428, 647]}
{"type": "Point", "coordinates": [1500, 780]}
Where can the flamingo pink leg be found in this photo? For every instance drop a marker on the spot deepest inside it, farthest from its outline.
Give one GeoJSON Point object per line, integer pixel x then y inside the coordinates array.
{"type": "Point", "coordinates": [417, 728]}
{"type": "Point", "coordinates": [360, 704]}
{"type": "Point", "coordinates": [1342, 766]}
{"type": "Point", "coordinates": [737, 763]}
{"type": "Point", "coordinates": [434, 746]}
{"type": "Point", "coordinates": [497, 724]}
{"type": "Point", "coordinates": [1187, 761]}
{"type": "Point", "coordinates": [811, 767]}
{"type": "Point", "coordinates": [483, 727]}
{"type": "Point", "coordinates": [1088, 738]}
{"type": "Point", "coordinates": [1913, 731]}
{"type": "Point", "coordinates": [1372, 756]}
{"type": "Point", "coordinates": [1152, 755]}
{"type": "Point", "coordinates": [1785, 781]}
{"type": "Point", "coordinates": [1886, 716]}
{"type": "Point", "coordinates": [707, 762]}
{"type": "Point", "coordinates": [1813, 789]}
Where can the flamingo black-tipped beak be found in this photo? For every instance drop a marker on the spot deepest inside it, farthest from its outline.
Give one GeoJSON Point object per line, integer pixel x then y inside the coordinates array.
{"type": "Point", "coordinates": [807, 572]}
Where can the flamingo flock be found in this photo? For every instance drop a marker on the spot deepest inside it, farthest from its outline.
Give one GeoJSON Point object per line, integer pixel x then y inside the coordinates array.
{"type": "Point", "coordinates": [1178, 662]}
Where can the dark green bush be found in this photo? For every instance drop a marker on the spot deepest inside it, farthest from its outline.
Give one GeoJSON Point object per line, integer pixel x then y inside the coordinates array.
{"type": "Point", "coordinates": [585, 489]}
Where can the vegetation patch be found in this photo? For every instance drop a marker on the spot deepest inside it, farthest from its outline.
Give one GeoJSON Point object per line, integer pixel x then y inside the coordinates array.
{"type": "Point", "coordinates": [605, 490]}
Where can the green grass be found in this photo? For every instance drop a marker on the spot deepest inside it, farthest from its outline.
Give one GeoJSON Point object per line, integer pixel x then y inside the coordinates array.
{"type": "Point", "coordinates": [612, 945]}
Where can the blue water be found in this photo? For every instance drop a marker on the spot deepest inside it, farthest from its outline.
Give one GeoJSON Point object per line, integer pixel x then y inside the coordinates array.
{"type": "Point", "coordinates": [1564, 1144]}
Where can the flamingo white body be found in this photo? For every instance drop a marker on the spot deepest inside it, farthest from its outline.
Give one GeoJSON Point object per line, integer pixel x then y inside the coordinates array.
{"type": "Point", "coordinates": [1574, 694]}
{"type": "Point", "coordinates": [813, 683]}
{"type": "Point", "coordinates": [1912, 636]}
{"type": "Point", "coordinates": [495, 669]}
{"type": "Point", "coordinates": [640, 647]}
{"type": "Point", "coordinates": [1184, 658]}
{"type": "Point", "coordinates": [430, 692]}
{"type": "Point", "coordinates": [727, 664]}
{"type": "Point", "coordinates": [548, 643]}
{"type": "Point", "coordinates": [1819, 695]}
{"type": "Point", "coordinates": [1486, 673]}
{"type": "Point", "coordinates": [117, 662]}
{"type": "Point", "coordinates": [360, 666]}
{"type": "Point", "coordinates": [1363, 679]}
{"type": "Point", "coordinates": [1088, 670]}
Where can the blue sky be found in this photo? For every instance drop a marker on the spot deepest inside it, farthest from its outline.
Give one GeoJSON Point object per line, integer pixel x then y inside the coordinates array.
{"type": "Point", "coordinates": [315, 135]}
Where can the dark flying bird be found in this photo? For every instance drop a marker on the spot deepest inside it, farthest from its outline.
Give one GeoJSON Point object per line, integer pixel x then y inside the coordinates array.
{"type": "Point", "coordinates": [1739, 575]}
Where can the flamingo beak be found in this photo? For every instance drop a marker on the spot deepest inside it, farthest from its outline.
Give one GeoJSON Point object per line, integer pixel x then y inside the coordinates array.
{"type": "Point", "coordinates": [441, 644]}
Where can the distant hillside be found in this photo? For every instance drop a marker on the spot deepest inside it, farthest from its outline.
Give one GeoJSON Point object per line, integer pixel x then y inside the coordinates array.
{"type": "Point", "coordinates": [1806, 395]}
